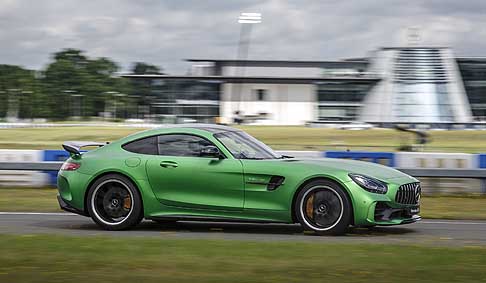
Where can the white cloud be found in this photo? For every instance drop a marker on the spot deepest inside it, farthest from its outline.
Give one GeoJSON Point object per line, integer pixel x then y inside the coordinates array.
{"type": "Point", "coordinates": [165, 32]}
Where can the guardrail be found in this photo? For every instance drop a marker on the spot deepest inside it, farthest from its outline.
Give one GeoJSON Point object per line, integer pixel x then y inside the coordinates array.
{"type": "Point", "coordinates": [31, 166]}
{"type": "Point", "coordinates": [416, 172]}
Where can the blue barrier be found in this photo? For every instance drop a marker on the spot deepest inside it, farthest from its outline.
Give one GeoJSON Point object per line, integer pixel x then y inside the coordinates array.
{"type": "Point", "coordinates": [482, 160]}
{"type": "Point", "coordinates": [384, 158]}
{"type": "Point", "coordinates": [54, 155]}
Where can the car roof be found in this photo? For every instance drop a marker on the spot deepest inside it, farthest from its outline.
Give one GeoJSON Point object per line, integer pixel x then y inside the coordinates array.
{"type": "Point", "coordinates": [163, 129]}
{"type": "Point", "coordinates": [213, 128]}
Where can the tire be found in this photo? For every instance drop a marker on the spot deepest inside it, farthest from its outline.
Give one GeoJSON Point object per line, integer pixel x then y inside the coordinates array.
{"type": "Point", "coordinates": [324, 207]}
{"type": "Point", "coordinates": [114, 203]}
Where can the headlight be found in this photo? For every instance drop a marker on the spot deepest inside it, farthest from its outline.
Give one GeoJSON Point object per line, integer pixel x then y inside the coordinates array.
{"type": "Point", "coordinates": [370, 184]}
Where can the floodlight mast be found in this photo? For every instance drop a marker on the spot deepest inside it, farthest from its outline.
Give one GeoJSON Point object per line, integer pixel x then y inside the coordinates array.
{"type": "Point", "coordinates": [250, 18]}
{"type": "Point", "coordinates": [247, 20]}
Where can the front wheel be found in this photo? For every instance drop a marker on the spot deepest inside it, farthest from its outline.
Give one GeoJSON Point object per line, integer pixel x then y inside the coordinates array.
{"type": "Point", "coordinates": [114, 202]}
{"type": "Point", "coordinates": [324, 207]}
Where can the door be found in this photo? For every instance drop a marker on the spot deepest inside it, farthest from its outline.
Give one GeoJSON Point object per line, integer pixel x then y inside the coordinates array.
{"type": "Point", "coordinates": [181, 177]}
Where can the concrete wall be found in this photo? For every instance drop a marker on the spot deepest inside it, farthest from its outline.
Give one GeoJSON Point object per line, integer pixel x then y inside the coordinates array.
{"type": "Point", "coordinates": [378, 102]}
{"type": "Point", "coordinates": [436, 160]}
{"type": "Point", "coordinates": [10, 178]}
{"type": "Point", "coordinates": [286, 104]}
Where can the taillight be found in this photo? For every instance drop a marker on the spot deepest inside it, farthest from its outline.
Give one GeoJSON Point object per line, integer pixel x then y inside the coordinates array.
{"type": "Point", "coordinates": [70, 166]}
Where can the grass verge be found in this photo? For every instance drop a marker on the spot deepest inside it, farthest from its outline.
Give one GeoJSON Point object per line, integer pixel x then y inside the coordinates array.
{"type": "Point", "coordinates": [49, 258]}
{"type": "Point", "coordinates": [279, 137]}
{"type": "Point", "coordinates": [440, 207]}
{"type": "Point", "coordinates": [454, 207]}
{"type": "Point", "coordinates": [29, 199]}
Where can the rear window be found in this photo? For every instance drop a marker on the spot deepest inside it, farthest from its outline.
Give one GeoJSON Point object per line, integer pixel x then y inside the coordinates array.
{"type": "Point", "coordinates": [142, 146]}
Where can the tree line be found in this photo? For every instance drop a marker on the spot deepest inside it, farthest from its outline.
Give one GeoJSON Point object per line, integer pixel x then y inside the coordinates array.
{"type": "Point", "coordinates": [73, 84]}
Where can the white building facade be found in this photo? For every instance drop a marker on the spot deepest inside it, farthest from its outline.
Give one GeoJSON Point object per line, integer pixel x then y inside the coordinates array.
{"type": "Point", "coordinates": [427, 85]}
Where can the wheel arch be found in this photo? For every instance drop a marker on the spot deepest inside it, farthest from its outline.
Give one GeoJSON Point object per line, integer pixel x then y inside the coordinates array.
{"type": "Point", "coordinates": [102, 174]}
{"type": "Point", "coordinates": [315, 178]}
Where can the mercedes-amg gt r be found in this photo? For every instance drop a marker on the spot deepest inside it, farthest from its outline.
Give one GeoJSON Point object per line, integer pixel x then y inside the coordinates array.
{"type": "Point", "coordinates": [218, 173]}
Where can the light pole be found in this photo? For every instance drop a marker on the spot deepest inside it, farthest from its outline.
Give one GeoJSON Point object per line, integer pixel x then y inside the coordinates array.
{"type": "Point", "coordinates": [26, 93]}
{"type": "Point", "coordinates": [112, 93]}
{"type": "Point", "coordinates": [117, 95]}
{"type": "Point", "coordinates": [247, 20]}
{"type": "Point", "coordinates": [135, 99]}
{"type": "Point", "coordinates": [4, 92]}
{"type": "Point", "coordinates": [13, 104]}
{"type": "Point", "coordinates": [70, 92]}
{"type": "Point", "coordinates": [77, 106]}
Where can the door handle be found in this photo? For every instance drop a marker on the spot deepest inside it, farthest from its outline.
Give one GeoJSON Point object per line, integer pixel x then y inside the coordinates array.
{"type": "Point", "coordinates": [167, 164]}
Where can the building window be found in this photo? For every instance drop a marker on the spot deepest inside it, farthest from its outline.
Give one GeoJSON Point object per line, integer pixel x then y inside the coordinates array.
{"type": "Point", "coordinates": [337, 113]}
{"type": "Point", "coordinates": [261, 94]}
{"type": "Point", "coordinates": [345, 92]}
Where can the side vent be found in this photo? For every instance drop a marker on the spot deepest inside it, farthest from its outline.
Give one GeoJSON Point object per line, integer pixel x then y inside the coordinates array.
{"type": "Point", "coordinates": [275, 182]}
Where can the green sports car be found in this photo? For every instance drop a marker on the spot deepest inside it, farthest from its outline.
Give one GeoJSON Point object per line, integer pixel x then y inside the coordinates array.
{"type": "Point", "coordinates": [218, 173]}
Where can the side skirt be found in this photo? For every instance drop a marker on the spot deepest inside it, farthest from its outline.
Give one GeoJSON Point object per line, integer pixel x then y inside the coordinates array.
{"type": "Point", "coordinates": [244, 215]}
{"type": "Point", "coordinates": [210, 219]}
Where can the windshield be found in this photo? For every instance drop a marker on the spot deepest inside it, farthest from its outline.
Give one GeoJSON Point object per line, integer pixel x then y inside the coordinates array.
{"type": "Point", "coordinates": [244, 146]}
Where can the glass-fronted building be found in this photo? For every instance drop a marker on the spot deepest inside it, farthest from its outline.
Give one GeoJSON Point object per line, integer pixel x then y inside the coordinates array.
{"type": "Point", "coordinates": [473, 74]}
{"type": "Point", "coordinates": [418, 85]}
{"type": "Point", "coordinates": [185, 99]}
{"type": "Point", "coordinates": [394, 85]}
{"type": "Point", "coordinates": [341, 101]}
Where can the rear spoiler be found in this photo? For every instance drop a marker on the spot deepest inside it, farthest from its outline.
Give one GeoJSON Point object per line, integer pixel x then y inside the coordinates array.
{"type": "Point", "coordinates": [74, 147]}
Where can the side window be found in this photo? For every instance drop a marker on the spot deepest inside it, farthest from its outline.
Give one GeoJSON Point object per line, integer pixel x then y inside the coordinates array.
{"type": "Point", "coordinates": [181, 145]}
{"type": "Point", "coordinates": [143, 146]}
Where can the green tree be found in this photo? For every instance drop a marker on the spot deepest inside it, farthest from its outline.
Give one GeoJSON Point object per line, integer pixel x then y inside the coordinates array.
{"type": "Point", "coordinates": [78, 85]}
{"type": "Point", "coordinates": [73, 84]}
{"type": "Point", "coordinates": [18, 87]}
{"type": "Point", "coordinates": [141, 68]}
{"type": "Point", "coordinates": [65, 77]}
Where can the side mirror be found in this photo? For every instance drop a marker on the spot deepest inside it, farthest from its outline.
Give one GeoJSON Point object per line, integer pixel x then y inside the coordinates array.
{"type": "Point", "coordinates": [210, 151]}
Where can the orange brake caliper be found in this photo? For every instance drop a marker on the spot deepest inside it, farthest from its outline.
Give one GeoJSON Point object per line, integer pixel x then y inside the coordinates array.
{"type": "Point", "coordinates": [309, 207]}
{"type": "Point", "coordinates": [127, 202]}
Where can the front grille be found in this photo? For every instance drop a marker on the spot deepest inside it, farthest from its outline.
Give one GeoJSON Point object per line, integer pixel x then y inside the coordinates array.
{"type": "Point", "coordinates": [409, 194]}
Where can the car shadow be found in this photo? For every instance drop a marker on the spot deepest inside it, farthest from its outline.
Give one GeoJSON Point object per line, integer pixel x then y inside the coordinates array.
{"type": "Point", "coordinates": [150, 227]}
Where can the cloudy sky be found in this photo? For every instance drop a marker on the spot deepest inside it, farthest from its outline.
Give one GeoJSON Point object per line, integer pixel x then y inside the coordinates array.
{"type": "Point", "coordinates": [163, 32]}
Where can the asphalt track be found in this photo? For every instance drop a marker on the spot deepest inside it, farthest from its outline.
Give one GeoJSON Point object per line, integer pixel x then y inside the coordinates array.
{"type": "Point", "coordinates": [428, 232]}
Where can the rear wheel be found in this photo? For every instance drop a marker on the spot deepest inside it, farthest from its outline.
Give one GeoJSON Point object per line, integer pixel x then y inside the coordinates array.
{"type": "Point", "coordinates": [323, 207]}
{"type": "Point", "coordinates": [114, 202]}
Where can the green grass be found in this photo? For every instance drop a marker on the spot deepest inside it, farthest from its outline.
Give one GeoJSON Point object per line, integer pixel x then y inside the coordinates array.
{"type": "Point", "coordinates": [44, 200]}
{"type": "Point", "coordinates": [279, 137]}
{"type": "Point", "coordinates": [49, 258]}
{"type": "Point", "coordinates": [52, 138]}
{"type": "Point", "coordinates": [303, 138]}
{"type": "Point", "coordinates": [29, 199]}
{"type": "Point", "coordinates": [454, 207]}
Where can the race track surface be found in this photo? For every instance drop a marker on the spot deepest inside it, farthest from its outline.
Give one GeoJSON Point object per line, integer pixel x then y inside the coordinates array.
{"type": "Point", "coordinates": [428, 232]}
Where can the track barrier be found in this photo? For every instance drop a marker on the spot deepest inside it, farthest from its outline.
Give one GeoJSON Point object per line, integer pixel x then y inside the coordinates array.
{"type": "Point", "coordinates": [383, 158]}
{"type": "Point", "coordinates": [439, 172]}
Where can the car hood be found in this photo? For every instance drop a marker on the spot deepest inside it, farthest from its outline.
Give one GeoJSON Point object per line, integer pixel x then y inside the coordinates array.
{"type": "Point", "coordinates": [352, 166]}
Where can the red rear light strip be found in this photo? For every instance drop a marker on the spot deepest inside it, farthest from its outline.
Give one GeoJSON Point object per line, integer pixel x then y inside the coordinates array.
{"type": "Point", "coordinates": [70, 166]}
